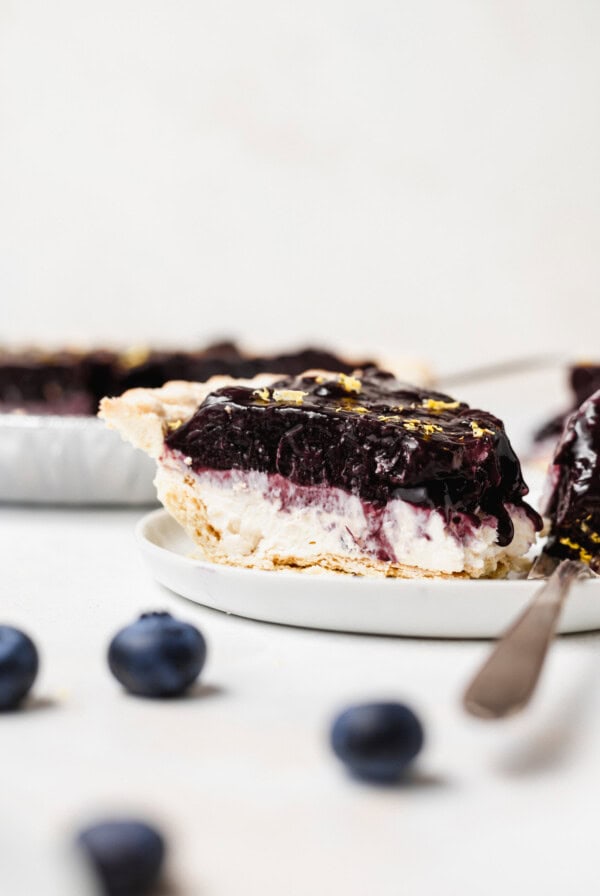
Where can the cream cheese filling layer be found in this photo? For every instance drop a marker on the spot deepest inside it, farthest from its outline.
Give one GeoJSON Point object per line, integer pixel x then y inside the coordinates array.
{"type": "Point", "coordinates": [257, 519]}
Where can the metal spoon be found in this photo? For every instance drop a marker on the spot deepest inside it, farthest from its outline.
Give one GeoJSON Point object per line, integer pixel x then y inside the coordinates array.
{"type": "Point", "coordinates": [501, 369]}
{"type": "Point", "coordinates": [507, 679]}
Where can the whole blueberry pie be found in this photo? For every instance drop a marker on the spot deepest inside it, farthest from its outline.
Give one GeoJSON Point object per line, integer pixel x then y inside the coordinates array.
{"type": "Point", "coordinates": [69, 382]}
{"type": "Point", "coordinates": [356, 472]}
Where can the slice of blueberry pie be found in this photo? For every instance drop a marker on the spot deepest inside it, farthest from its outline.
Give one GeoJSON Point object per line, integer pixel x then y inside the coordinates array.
{"type": "Point", "coordinates": [358, 473]}
{"type": "Point", "coordinates": [573, 507]}
{"type": "Point", "coordinates": [584, 380]}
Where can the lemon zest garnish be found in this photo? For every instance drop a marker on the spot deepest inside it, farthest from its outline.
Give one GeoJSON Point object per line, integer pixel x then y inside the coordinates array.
{"type": "Point", "coordinates": [432, 404]}
{"type": "Point", "coordinates": [174, 424]}
{"type": "Point", "coordinates": [263, 394]}
{"type": "Point", "coordinates": [479, 431]}
{"type": "Point", "coordinates": [352, 409]}
{"type": "Point", "coordinates": [430, 428]}
{"type": "Point", "coordinates": [584, 555]}
{"type": "Point", "coordinates": [593, 536]}
{"type": "Point", "coordinates": [349, 383]}
{"type": "Point", "coordinates": [294, 395]}
{"type": "Point", "coordinates": [416, 425]}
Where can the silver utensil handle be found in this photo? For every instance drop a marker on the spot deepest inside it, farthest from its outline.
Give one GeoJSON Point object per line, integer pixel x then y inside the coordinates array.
{"type": "Point", "coordinates": [501, 369]}
{"type": "Point", "coordinates": [507, 679]}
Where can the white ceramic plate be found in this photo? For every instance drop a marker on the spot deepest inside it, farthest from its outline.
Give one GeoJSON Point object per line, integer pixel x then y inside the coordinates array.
{"type": "Point", "coordinates": [434, 608]}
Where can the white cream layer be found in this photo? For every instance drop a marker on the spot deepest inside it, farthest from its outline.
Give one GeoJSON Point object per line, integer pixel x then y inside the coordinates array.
{"type": "Point", "coordinates": [254, 522]}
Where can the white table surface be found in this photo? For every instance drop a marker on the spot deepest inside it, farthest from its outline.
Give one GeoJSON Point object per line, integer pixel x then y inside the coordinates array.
{"type": "Point", "coordinates": [240, 775]}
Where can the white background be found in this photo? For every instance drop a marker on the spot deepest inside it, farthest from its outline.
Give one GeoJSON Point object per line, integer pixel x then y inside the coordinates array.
{"type": "Point", "coordinates": [417, 176]}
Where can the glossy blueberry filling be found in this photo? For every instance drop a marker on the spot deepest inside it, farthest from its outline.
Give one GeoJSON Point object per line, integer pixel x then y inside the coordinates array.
{"type": "Point", "coordinates": [369, 435]}
{"type": "Point", "coordinates": [574, 506]}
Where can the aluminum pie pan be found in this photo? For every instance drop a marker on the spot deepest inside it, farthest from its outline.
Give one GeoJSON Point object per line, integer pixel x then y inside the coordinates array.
{"type": "Point", "coordinates": [48, 459]}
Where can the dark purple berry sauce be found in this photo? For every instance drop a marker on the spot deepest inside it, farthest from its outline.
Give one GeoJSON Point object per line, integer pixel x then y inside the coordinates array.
{"type": "Point", "coordinates": [368, 434]}
{"type": "Point", "coordinates": [69, 382]}
{"type": "Point", "coordinates": [574, 505]}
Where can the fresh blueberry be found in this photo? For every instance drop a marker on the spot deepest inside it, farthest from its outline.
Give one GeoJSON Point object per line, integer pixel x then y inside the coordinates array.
{"type": "Point", "coordinates": [127, 855]}
{"type": "Point", "coordinates": [19, 664]}
{"type": "Point", "coordinates": [157, 656]}
{"type": "Point", "coordinates": [377, 741]}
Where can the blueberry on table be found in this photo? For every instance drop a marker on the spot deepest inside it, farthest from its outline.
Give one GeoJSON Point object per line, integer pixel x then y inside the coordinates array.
{"type": "Point", "coordinates": [19, 665]}
{"type": "Point", "coordinates": [127, 855]}
{"type": "Point", "coordinates": [157, 656]}
{"type": "Point", "coordinates": [377, 741]}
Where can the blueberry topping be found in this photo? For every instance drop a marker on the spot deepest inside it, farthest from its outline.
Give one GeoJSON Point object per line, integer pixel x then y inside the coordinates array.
{"type": "Point", "coordinates": [19, 663]}
{"type": "Point", "coordinates": [377, 741]}
{"type": "Point", "coordinates": [574, 504]}
{"type": "Point", "coordinates": [367, 434]}
{"type": "Point", "coordinates": [127, 855]}
{"type": "Point", "coordinates": [157, 656]}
